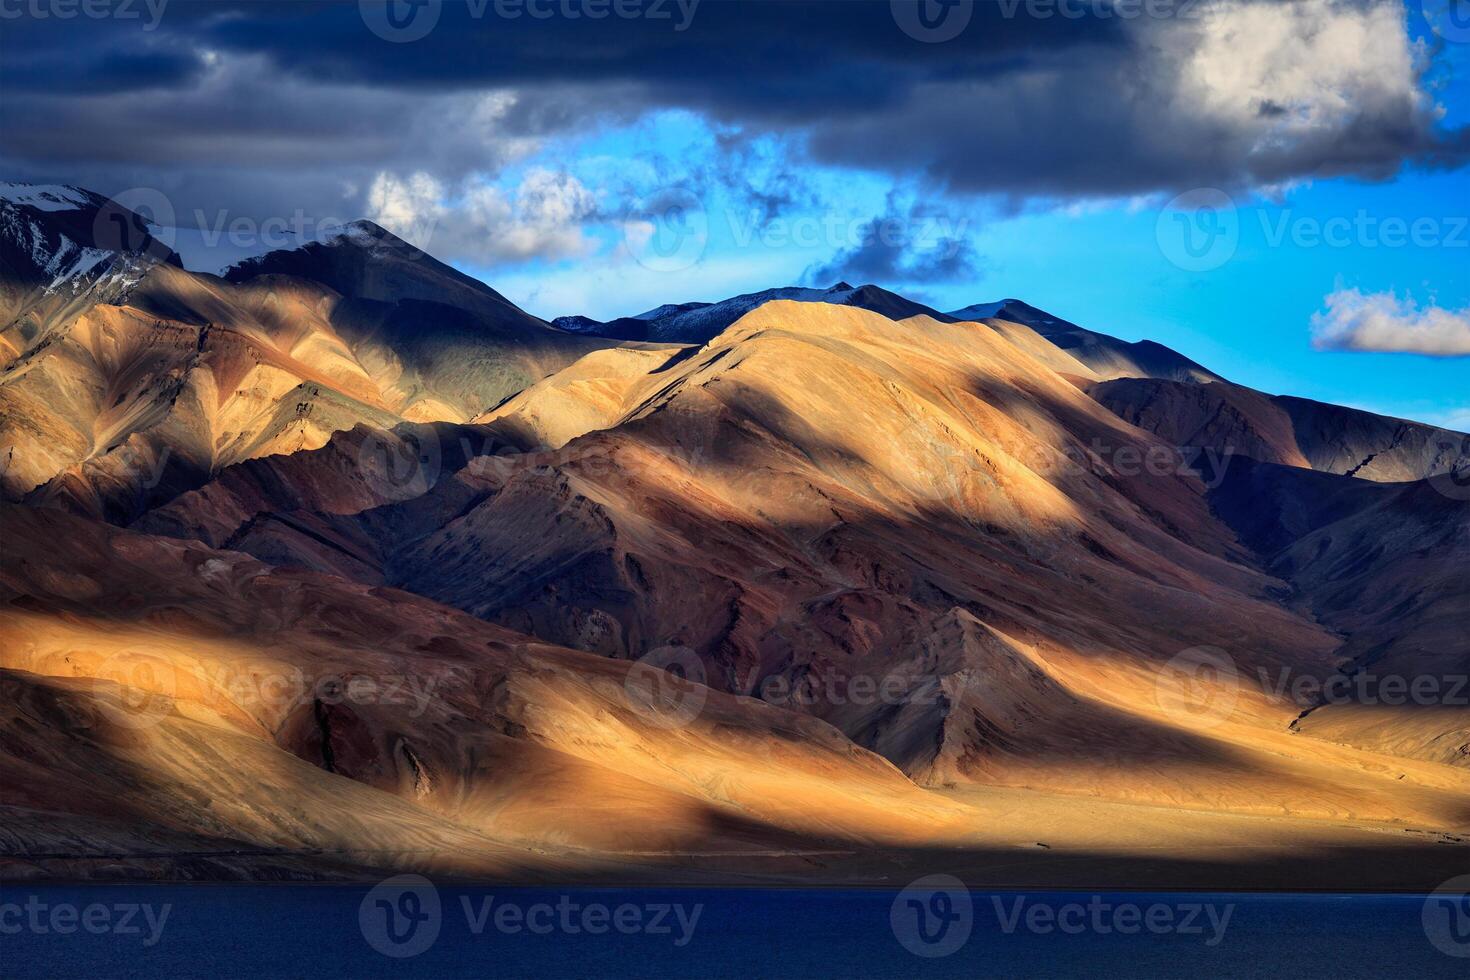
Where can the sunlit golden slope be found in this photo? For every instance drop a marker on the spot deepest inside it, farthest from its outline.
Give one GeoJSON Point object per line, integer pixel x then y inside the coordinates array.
{"type": "Point", "coordinates": [822, 498]}
{"type": "Point", "coordinates": [316, 714]}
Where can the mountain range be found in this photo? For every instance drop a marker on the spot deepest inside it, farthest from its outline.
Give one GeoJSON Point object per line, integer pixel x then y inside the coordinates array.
{"type": "Point", "coordinates": [806, 584]}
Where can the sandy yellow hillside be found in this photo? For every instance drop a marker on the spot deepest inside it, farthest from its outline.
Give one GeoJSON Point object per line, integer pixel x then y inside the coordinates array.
{"type": "Point", "coordinates": [371, 695]}
{"type": "Point", "coordinates": [821, 501]}
{"type": "Point", "coordinates": [227, 720]}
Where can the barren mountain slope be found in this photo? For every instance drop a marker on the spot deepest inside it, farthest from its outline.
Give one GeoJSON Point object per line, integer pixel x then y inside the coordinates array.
{"type": "Point", "coordinates": [126, 380]}
{"type": "Point", "coordinates": [129, 404]}
{"type": "Point", "coordinates": [200, 693]}
{"type": "Point", "coordinates": [62, 249]}
{"type": "Point", "coordinates": [1229, 418]}
{"type": "Point", "coordinates": [1384, 565]}
{"type": "Point", "coordinates": [821, 500]}
{"type": "Point", "coordinates": [441, 345]}
{"type": "Point", "coordinates": [151, 746]}
{"type": "Point", "coordinates": [893, 543]}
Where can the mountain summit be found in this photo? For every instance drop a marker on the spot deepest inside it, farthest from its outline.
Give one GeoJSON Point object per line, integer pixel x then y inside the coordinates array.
{"type": "Point", "coordinates": [366, 261]}
{"type": "Point", "coordinates": [697, 323]}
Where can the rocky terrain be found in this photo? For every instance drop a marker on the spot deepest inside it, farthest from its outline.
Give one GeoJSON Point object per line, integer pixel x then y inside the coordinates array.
{"type": "Point", "coordinates": [128, 379]}
{"type": "Point", "coordinates": [802, 584]}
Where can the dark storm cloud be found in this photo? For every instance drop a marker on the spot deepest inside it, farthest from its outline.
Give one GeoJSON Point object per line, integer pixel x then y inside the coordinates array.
{"type": "Point", "coordinates": [768, 64]}
{"type": "Point", "coordinates": [81, 73]}
{"type": "Point", "coordinates": [789, 58]}
{"type": "Point", "coordinates": [261, 105]}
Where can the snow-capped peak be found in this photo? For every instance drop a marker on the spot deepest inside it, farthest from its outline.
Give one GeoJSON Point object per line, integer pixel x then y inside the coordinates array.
{"type": "Point", "coordinates": [55, 237]}
{"type": "Point", "coordinates": [981, 311]}
{"type": "Point", "coordinates": [44, 197]}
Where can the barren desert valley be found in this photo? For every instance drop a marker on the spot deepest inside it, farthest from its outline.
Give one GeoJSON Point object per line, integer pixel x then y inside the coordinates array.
{"type": "Point", "coordinates": [340, 565]}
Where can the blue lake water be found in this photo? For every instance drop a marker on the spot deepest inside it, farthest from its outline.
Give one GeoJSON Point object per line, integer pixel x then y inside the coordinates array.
{"type": "Point", "coordinates": [408, 928]}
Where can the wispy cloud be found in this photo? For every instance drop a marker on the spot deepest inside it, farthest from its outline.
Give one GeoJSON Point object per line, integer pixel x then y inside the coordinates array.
{"type": "Point", "coordinates": [1457, 419]}
{"type": "Point", "coordinates": [920, 246]}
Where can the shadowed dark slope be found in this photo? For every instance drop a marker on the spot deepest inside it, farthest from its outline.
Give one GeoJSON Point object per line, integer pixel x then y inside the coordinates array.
{"type": "Point", "coordinates": [1232, 419]}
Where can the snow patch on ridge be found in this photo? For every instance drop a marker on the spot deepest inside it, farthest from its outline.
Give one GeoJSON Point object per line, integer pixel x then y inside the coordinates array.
{"type": "Point", "coordinates": [377, 242]}
{"type": "Point", "coordinates": [692, 319]}
{"type": "Point", "coordinates": [981, 311]}
{"type": "Point", "coordinates": [44, 197]}
{"type": "Point", "coordinates": [73, 261]}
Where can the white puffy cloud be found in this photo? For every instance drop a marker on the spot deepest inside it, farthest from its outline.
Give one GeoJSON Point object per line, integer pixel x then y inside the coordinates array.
{"type": "Point", "coordinates": [1225, 93]}
{"type": "Point", "coordinates": [1287, 71]}
{"type": "Point", "coordinates": [410, 208]}
{"type": "Point", "coordinates": [485, 223]}
{"type": "Point", "coordinates": [1359, 321]}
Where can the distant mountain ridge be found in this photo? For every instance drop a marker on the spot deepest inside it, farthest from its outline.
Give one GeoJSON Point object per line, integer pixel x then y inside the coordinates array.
{"type": "Point", "coordinates": [61, 246]}
{"type": "Point", "coordinates": [698, 323]}
{"type": "Point", "coordinates": [1108, 356]}
{"type": "Point", "coordinates": [1233, 419]}
{"type": "Point", "coordinates": [368, 328]}
{"type": "Point", "coordinates": [366, 261]}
